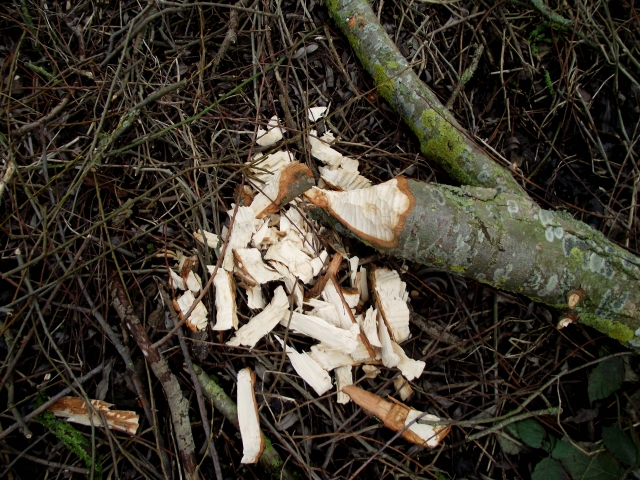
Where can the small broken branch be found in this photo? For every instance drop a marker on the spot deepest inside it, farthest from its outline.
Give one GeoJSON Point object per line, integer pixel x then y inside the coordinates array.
{"type": "Point", "coordinates": [466, 76]}
{"type": "Point", "coordinates": [441, 137]}
{"type": "Point", "coordinates": [400, 418]}
{"type": "Point", "coordinates": [75, 410]}
{"type": "Point", "coordinates": [178, 405]}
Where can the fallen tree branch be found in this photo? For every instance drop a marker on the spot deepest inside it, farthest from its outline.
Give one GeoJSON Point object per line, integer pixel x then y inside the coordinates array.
{"type": "Point", "coordinates": [178, 405]}
{"type": "Point", "coordinates": [501, 239]}
{"type": "Point", "coordinates": [496, 235]}
{"type": "Point", "coordinates": [441, 137]}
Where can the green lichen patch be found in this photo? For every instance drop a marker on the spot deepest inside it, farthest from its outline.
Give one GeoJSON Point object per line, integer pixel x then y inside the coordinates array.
{"type": "Point", "coordinates": [442, 142]}
{"type": "Point", "coordinates": [615, 330]}
{"type": "Point", "coordinates": [72, 439]}
{"type": "Point", "coordinates": [384, 84]}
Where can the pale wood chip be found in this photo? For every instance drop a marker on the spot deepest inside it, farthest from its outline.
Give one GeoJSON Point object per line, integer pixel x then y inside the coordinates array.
{"type": "Point", "coordinates": [344, 377]}
{"type": "Point", "coordinates": [316, 113]}
{"type": "Point", "coordinates": [325, 310]}
{"type": "Point", "coordinates": [255, 298]}
{"type": "Point", "coordinates": [265, 166]}
{"type": "Point", "coordinates": [198, 318]}
{"type": "Point", "coordinates": [249, 260]}
{"type": "Point", "coordinates": [321, 150]}
{"type": "Point", "coordinates": [330, 358]}
{"type": "Point", "coordinates": [251, 333]}
{"type": "Point", "coordinates": [208, 239]}
{"type": "Point", "coordinates": [370, 327]}
{"type": "Point", "coordinates": [176, 281]}
{"type": "Point", "coordinates": [241, 234]}
{"type": "Point", "coordinates": [310, 371]}
{"type": "Point", "coordinates": [391, 298]}
{"type": "Point", "coordinates": [226, 316]}
{"type": "Point", "coordinates": [331, 294]}
{"type": "Point", "coordinates": [410, 368]}
{"type": "Point", "coordinates": [74, 409]}
{"type": "Point", "coordinates": [315, 327]}
{"type": "Point", "coordinates": [287, 253]}
{"type": "Point", "coordinates": [389, 357]}
{"type": "Point", "coordinates": [272, 135]}
{"type": "Point", "coordinates": [402, 387]}
{"type": "Point", "coordinates": [291, 284]}
{"type": "Point", "coordinates": [248, 418]}
{"type": "Point", "coordinates": [350, 165]}
{"type": "Point", "coordinates": [370, 371]}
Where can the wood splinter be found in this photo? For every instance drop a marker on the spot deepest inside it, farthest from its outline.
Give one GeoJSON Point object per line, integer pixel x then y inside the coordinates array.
{"type": "Point", "coordinates": [397, 416]}
{"type": "Point", "coordinates": [74, 409]}
{"type": "Point", "coordinates": [248, 419]}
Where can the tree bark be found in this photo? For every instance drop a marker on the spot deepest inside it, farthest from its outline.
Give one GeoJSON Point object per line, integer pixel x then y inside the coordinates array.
{"type": "Point", "coordinates": [501, 239]}
{"type": "Point", "coordinates": [442, 139]}
{"type": "Point", "coordinates": [495, 235]}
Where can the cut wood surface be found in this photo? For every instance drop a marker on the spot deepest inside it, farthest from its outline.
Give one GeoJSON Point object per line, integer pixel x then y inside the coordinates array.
{"type": "Point", "coordinates": [501, 239]}
{"type": "Point", "coordinates": [248, 419]}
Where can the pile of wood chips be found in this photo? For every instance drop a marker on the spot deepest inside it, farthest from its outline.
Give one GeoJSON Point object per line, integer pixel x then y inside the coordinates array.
{"type": "Point", "coordinates": [271, 249]}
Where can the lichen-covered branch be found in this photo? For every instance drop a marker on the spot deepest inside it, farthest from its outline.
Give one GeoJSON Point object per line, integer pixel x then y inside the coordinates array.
{"type": "Point", "coordinates": [178, 405]}
{"type": "Point", "coordinates": [501, 239]}
{"type": "Point", "coordinates": [270, 459]}
{"type": "Point", "coordinates": [441, 137]}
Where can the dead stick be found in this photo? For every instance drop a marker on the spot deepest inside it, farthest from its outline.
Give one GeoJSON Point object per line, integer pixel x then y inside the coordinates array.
{"type": "Point", "coordinates": [466, 76]}
{"type": "Point", "coordinates": [131, 371]}
{"type": "Point", "coordinates": [196, 383]}
{"type": "Point", "coordinates": [229, 38]}
{"type": "Point", "coordinates": [20, 131]}
{"type": "Point", "coordinates": [178, 405]}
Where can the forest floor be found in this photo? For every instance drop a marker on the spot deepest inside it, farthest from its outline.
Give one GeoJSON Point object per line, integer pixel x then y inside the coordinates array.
{"type": "Point", "coordinates": [127, 126]}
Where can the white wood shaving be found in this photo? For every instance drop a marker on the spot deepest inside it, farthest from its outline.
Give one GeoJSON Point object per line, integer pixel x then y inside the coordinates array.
{"type": "Point", "coordinates": [251, 333]}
